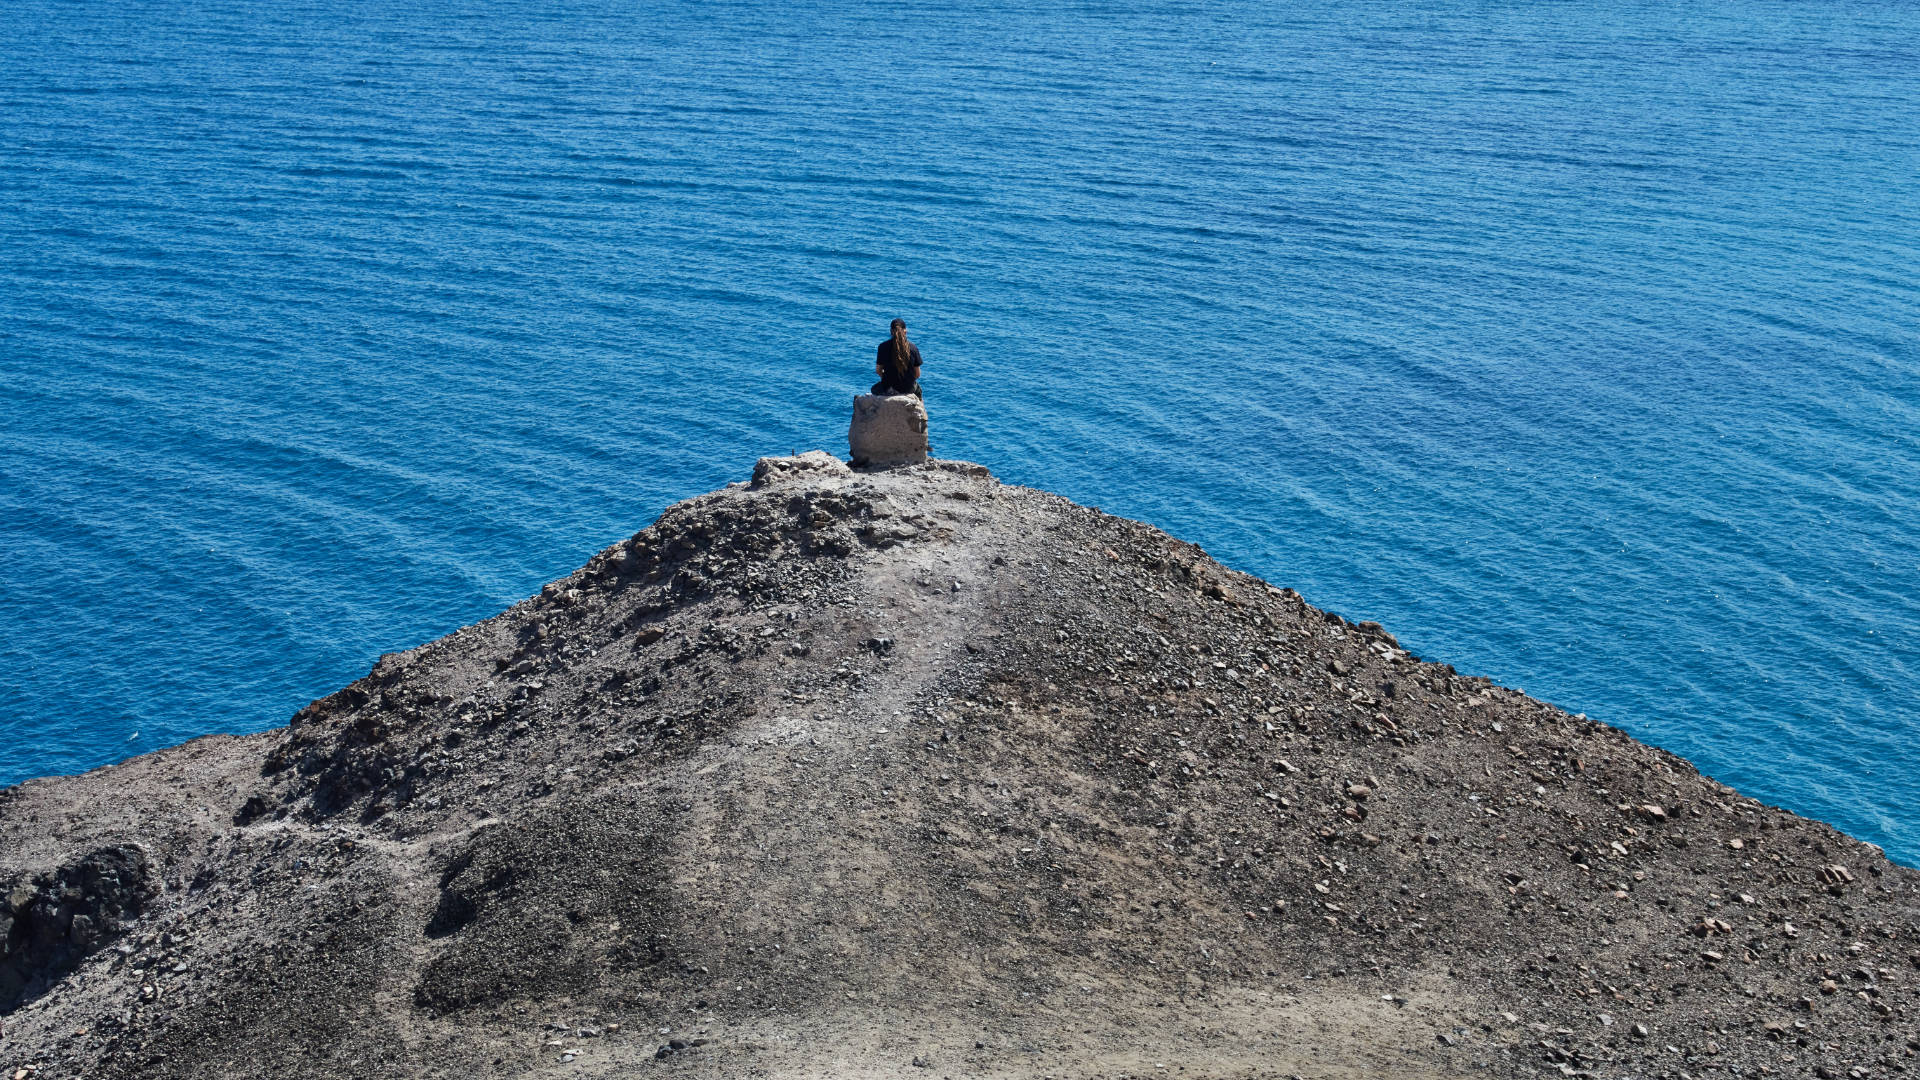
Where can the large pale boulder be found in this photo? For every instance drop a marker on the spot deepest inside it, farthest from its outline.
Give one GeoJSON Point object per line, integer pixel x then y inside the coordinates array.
{"type": "Point", "coordinates": [887, 430]}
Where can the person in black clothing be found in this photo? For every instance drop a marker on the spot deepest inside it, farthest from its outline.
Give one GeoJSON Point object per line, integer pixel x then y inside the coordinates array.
{"type": "Point", "coordinates": [898, 364]}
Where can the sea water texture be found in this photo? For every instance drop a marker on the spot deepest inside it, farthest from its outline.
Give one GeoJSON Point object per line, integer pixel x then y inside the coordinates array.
{"type": "Point", "coordinates": [1575, 342]}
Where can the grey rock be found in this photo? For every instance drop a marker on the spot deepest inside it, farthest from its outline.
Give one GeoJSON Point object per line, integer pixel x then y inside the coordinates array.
{"type": "Point", "coordinates": [812, 465]}
{"type": "Point", "coordinates": [887, 431]}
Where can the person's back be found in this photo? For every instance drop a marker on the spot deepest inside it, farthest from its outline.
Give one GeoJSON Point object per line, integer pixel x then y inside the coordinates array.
{"type": "Point", "coordinates": [897, 362]}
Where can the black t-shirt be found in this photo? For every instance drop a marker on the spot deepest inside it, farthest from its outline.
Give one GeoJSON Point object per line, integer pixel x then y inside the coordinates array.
{"type": "Point", "coordinates": [892, 373]}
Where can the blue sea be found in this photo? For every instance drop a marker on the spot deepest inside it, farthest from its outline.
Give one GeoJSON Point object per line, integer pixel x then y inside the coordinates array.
{"type": "Point", "coordinates": [1577, 342]}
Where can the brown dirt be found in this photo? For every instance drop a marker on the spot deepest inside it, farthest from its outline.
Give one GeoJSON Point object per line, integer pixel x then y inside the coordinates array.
{"type": "Point", "coordinates": [915, 774]}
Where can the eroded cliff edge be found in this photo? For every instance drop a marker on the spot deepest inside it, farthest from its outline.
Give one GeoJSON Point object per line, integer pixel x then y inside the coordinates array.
{"type": "Point", "coordinates": [914, 773]}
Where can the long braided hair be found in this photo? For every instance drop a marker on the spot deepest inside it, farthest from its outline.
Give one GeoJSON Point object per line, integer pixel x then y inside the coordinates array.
{"type": "Point", "coordinates": [902, 352]}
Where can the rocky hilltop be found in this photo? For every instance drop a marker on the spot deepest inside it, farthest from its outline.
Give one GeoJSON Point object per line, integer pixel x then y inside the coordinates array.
{"type": "Point", "coordinates": [911, 773]}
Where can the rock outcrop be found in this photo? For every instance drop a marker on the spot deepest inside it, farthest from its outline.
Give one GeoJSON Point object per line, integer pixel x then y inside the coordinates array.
{"type": "Point", "coordinates": [913, 773]}
{"type": "Point", "coordinates": [52, 920]}
{"type": "Point", "coordinates": [887, 431]}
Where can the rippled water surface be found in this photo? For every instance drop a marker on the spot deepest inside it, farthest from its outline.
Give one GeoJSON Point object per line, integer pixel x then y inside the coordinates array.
{"type": "Point", "coordinates": [1575, 342]}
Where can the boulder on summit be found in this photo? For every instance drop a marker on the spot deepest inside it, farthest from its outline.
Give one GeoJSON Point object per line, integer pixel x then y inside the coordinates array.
{"type": "Point", "coordinates": [888, 430]}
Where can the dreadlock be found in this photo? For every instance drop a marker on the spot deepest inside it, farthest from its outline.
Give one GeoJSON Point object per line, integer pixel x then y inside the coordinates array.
{"type": "Point", "coordinates": [902, 352]}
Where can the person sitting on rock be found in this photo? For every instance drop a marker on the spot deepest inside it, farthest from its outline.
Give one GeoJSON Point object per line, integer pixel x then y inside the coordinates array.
{"type": "Point", "coordinates": [898, 365]}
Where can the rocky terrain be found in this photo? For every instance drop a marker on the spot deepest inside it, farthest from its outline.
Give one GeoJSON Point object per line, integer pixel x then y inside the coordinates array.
{"type": "Point", "coordinates": [910, 773]}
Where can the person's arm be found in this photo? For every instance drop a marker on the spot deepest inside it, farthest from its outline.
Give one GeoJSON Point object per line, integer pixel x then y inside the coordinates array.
{"type": "Point", "coordinates": [880, 360]}
{"type": "Point", "coordinates": [916, 361]}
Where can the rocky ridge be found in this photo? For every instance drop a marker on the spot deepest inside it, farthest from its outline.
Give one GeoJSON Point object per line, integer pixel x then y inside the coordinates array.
{"type": "Point", "coordinates": [914, 773]}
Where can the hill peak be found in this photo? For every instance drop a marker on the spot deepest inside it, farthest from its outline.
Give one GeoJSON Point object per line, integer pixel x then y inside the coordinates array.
{"type": "Point", "coordinates": [836, 773]}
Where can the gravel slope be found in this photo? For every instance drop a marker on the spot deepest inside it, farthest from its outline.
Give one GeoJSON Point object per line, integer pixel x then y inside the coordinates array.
{"type": "Point", "coordinates": [915, 774]}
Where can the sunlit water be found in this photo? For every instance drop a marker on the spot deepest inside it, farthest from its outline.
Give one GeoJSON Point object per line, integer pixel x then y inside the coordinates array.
{"type": "Point", "coordinates": [1575, 342]}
